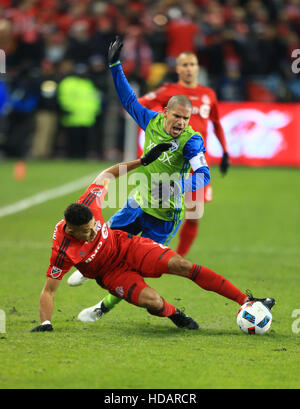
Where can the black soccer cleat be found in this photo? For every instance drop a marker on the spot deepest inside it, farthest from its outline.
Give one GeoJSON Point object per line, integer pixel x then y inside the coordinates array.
{"type": "Point", "coordinates": [183, 321]}
{"type": "Point", "coordinates": [267, 302]}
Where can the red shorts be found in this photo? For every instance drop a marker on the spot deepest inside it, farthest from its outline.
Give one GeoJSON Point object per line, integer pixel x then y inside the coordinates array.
{"type": "Point", "coordinates": [143, 258]}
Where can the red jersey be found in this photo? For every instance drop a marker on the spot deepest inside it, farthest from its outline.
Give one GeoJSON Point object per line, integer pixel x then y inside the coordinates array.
{"type": "Point", "coordinates": [204, 102]}
{"type": "Point", "coordinates": [92, 259]}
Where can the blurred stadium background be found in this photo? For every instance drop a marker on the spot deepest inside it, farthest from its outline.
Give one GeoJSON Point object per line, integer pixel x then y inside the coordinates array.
{"type": "Point", "coordinates": [245, 50]}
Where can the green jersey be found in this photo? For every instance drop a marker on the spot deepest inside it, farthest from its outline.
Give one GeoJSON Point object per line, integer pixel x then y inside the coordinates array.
{"type": "Point", "coordinates": [170, 166]}
{"type": "Point", "coordinates": [173, 164]}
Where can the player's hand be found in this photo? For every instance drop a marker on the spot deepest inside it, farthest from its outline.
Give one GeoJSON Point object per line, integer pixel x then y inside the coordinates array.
{"type": "Point", "coordinates": [155, 153]}
{"type": "Point", "coordinates": [45, 326]}
{"type": "Point", "coordinates": [224, 165]}
{"type": "Point", "coordinates": [114, 50]}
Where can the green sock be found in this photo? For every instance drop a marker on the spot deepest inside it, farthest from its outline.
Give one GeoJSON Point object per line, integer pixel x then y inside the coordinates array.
{"type": "Point", "coordinates": [110, 301]}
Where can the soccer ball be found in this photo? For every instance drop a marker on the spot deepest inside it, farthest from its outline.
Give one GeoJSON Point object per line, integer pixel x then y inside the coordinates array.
{"type": "Point", "coordinates": [254, 318]}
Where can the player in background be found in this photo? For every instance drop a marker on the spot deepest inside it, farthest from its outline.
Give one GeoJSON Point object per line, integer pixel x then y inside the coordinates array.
{"type": "Point", "coordinates": [205, 108]}
{"type": "Point", "coordinates": [119, 261]}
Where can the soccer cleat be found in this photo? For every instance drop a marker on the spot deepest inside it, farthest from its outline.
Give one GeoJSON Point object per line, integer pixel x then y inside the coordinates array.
{"type": "Point", "coordinates": [93, 314]}
{"type": "Point", "coordinates": [76, 279]}
{"type": "Point", "coordinates": [267, 302]}
{"type": "Point", "coordinates": [183, 321]}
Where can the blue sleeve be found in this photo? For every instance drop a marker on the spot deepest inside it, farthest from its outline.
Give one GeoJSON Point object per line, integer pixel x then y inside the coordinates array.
{"type": "Point", "coordinates": [193, 146]}
{"type": "Point", "coordinates": [201, 176]}
{"type": "Point", "coordinates": [140, 114]}
{"type": "Point", "coordinates": [199, 179]}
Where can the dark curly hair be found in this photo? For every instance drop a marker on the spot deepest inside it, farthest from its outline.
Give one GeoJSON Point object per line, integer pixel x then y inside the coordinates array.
{"type": "Point", "coordinates": [78, 214]}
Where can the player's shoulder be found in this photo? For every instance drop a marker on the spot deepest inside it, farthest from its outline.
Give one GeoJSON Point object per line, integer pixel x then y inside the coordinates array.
{"type": "Point", "coordinates": [60, 239]}
{"type": "Point", "coordinates": [204, 90]}
{"type": "Point", "coordinates": [92, 192]}
{"type": "Point", "coordinates": [58, 232]}
{"type": "Point", "coordinates": [168, 88]}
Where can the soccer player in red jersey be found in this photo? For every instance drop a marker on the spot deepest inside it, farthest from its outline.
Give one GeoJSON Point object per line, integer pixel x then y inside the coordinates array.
{"type": "Point", "coordinates": [118, 261]}
{"type": "Point", "coordinates": [205, 108]}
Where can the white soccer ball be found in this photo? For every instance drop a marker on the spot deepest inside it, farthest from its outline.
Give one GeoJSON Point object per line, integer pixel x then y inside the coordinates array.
{"type": "Point", "coordinates": [254, 318]}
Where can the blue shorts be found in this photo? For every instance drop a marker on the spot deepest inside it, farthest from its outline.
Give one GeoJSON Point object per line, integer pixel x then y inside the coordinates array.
{"type": "Point", "coordinates": [134, 220]}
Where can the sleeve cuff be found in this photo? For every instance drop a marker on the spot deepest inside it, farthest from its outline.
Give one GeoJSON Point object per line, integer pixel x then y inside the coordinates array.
{"type": "Point", "coordinates": [114, 64]}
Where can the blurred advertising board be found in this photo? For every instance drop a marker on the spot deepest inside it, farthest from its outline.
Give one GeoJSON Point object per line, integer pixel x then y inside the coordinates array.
{"type": "Point", "coordinates": [258, 134]}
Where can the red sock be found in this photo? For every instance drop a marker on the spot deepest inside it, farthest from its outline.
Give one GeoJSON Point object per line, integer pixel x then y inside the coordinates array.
{"type": "Point", "coordinates": [211, 281]}
{"type": "Point", "coordinates": [166, 311]}
{"type": "Point", "coordinates": [187, 236]}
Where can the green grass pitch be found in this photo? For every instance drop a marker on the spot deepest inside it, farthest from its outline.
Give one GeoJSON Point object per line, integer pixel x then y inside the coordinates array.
{"type": "Point", "coordinates": [249, 234]}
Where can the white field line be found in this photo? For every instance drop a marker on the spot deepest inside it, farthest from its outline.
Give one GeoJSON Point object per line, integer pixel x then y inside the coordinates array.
{"type": "Point", "coordinates": [46, 195]}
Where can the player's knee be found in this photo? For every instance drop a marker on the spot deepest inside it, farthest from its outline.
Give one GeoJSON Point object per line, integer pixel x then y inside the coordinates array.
{"type": "Point", "coordinates": [179, 266]}
{"type": "Point", "coordinates": [150, 299]}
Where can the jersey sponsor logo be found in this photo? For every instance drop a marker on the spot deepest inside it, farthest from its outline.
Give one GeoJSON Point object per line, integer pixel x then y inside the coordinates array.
{"type": "Point", "coordinates": [204, 111]}
{"type": "Point", "coordinates": [55, 272]}
{"type": "Point", "coordinates": [166, 158]}
{"type": "Point", "coordinates": [151, 145]}
{"type": "Point", "coordinates": [91, 258]}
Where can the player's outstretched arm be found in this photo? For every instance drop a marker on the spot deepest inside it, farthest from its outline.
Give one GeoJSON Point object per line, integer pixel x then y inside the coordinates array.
{"type": "Point", "coordinates": [46, 305]}
{"type": "Point", "coordinates": [109, 174]}
{"type": "Point", "coordinates": [127, 97]}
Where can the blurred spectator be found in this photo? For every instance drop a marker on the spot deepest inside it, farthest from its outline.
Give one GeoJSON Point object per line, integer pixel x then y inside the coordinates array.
{"type": "Point", "coordinates": [181, 32]}
{"type": "Point", "coordinates": [79, 103]}
{"type": "Point", "coordinates": [3, 97]}
{"type": "Point", "coordinates": [101, 79]}
{"type": "Point", "coordinates": [46, 115]}
{"type": "Point", "coordinates": [23, 101]}
{"type": "Point", "coordinates": [4, 101]}
{"type": "Point", "coordinates": [103, 36]}
{"type": "Point", "coordinates": [55, 46]}
{"type": "Point", "coordinates": [136, 56]}
{"type": "Point", "coordinates": [79, 48]}
{"type": "Point", "coordinates": [232, 85]}
{"type": "Point", "coordinates": [245, 47]}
